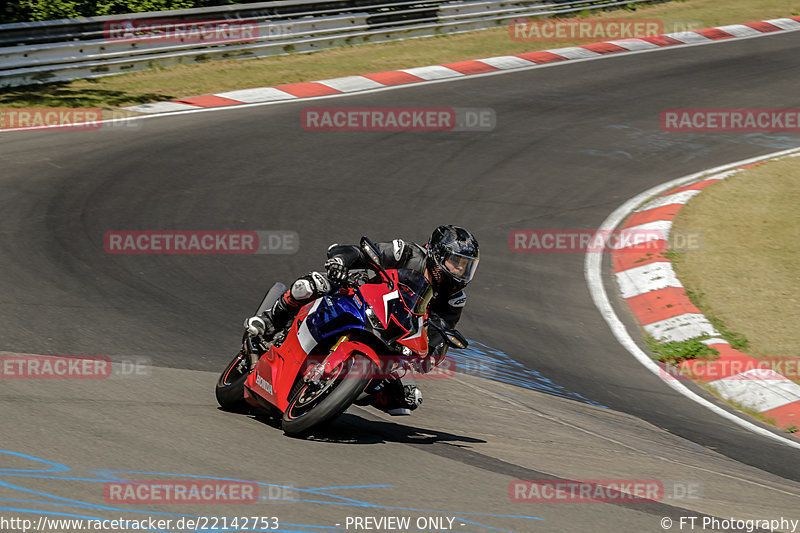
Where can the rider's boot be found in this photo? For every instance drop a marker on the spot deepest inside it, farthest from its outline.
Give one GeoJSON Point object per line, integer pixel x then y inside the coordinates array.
{"type": "Point", "coordinates": [272, 320]}
{"type": "Point", "coordinates": [278, 317]}
{"type": "Point", "coordinates": [397, 399]}
{"type": "Point", "coordinates": [305, 289]}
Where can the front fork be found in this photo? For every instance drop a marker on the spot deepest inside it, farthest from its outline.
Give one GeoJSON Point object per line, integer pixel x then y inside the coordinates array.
{"type": "Point", "coordinates": [315, 374]}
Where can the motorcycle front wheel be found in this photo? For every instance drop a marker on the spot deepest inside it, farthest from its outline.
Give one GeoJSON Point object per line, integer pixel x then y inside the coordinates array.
{"type": "Point", "coordinates": [313, 404]}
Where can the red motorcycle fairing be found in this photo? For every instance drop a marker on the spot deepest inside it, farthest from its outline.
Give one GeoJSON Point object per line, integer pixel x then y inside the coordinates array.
{"type": "Point", "coordinates": [345, 350]}
{"type": "Point", "coordinates": [415, 339]}
{"type": "Point", "coordinates": [277, 369]}
{"type": "Point", "coordinates": [417, 342]}
{"type": "Point", "coordinates": [375, 293]}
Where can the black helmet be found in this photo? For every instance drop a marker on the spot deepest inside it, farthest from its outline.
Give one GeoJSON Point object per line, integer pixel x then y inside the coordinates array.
{"type": "Point", "coordinates": [453, 252]}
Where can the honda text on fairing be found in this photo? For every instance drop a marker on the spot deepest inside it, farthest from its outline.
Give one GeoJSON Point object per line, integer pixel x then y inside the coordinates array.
{"type": "Point", "coordinates": [338, 349]}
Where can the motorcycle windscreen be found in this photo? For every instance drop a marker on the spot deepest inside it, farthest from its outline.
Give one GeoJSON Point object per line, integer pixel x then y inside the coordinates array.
{"type": "Point", "coordinates": [414, 293]}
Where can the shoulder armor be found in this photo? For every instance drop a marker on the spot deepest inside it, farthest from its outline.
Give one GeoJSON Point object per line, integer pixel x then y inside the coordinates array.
{"type": "Point", "coordinates": [458, 300]}
{"type": "Point", "coordinates": [398, 247]}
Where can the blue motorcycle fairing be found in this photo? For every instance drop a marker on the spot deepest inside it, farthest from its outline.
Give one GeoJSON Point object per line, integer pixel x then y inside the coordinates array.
{"type": "Point", "coordinates": [335, 315]}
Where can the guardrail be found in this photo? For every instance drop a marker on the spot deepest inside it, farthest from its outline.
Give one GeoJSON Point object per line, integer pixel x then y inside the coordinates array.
{"type": "Point", "coordinates": [63, 50]}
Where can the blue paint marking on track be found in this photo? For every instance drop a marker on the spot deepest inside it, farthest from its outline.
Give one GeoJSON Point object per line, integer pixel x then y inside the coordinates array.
{"type": "Point", "coordinates": [55, 466]}
{"type": "Point", "coordinates": [59, 505]}
{"type": "Point", "coordinates": [491, 363]}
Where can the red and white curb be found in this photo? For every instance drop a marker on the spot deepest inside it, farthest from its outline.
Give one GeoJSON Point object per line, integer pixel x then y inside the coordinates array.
{"type": "Point", "coordinates": [369, 82]}
{"type": "Point", "coordinates": [651, 289]}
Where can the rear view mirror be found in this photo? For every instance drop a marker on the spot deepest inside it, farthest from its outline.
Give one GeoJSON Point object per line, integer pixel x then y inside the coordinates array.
{"type": "Point", "coordinates": [453, 337]}
{"type": "Point", "coordinates": [456, 339]}
{"type": "Point", "coordinates": [371, 251]}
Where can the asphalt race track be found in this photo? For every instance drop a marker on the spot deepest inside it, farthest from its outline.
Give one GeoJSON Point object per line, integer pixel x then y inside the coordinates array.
{"type": "Point", "coordinates": [572, 143]}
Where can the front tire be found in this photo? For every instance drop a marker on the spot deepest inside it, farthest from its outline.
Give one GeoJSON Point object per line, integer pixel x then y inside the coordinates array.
{"type": "Point", "coordinates": [230, 385]}
{"type": "Point", "coordinates": [310, 406]}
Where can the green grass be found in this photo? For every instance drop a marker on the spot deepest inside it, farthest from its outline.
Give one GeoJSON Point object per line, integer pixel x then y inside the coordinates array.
{"type": "Point", "coordinates": [737, 341]}
{"type": "Point", "coordinates": [224, 75]}
{"type": "Point", "coordinates": [675, 352]}
{"type": "Point", "coordinates": [745, 278]}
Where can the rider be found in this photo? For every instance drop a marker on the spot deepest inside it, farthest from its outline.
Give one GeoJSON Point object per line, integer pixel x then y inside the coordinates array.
{"type": "Point", "coordinates": [448, 261]}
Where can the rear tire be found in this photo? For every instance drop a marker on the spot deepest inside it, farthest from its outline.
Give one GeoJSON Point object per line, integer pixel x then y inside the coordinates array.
{"type": "Point", "coordinates": [354, 376]}
{"type": "Point", "coordinates": [230, 385]}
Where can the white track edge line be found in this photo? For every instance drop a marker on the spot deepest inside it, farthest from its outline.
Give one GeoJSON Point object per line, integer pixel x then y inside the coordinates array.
{"type": "Point", "coordinates": [410, 85]}
{"type": "Point", "coordinates": [594, 280]}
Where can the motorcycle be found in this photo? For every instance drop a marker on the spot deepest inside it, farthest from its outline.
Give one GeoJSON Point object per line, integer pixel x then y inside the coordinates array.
{"type": "Point", "coordinates": [340, 348]}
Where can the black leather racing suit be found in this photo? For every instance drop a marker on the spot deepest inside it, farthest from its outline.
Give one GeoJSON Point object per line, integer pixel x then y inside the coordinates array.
{"type": "Point", "coordinates": [444, 308]}
{"type": "Point", "coordinates": [447, 302]}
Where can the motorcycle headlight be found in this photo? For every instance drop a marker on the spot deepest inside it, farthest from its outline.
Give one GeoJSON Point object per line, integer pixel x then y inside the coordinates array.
{"type": "Point", "coordinates": [373, 318]}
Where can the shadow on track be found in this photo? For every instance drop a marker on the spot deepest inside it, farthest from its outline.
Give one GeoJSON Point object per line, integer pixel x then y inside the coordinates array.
{"type": "Point", "coordinates": [353, 429]}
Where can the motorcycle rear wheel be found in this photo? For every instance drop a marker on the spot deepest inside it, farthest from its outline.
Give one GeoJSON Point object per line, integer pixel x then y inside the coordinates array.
{"type": "Point", "coordinates": [230, 385]}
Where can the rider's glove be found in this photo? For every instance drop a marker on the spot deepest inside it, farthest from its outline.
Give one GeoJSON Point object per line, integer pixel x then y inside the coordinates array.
{"type": "Point", "coordinates": [255, 325]}
{"type": "Point", "coordinates": [438, 352]}
{"type": "Point", "coordinates": [436, 355]}
{"type": "Point", "coordinates": [425, 365]}
{"type": "Point", "coordinates": [336, 270]}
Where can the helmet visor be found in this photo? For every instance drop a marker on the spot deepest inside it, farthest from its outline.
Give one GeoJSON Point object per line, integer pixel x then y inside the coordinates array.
{"type": "Point", "coordinates": [461, 267]}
